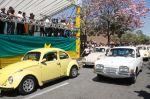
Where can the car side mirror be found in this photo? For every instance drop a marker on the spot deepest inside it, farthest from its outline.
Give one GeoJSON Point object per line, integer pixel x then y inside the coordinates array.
{"type": "Point", "coordinates": [43, 60]}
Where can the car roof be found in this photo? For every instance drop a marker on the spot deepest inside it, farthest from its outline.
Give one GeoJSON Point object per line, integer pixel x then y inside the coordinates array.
{"type": "Point", "coordinates": [143, 45]}
{"type": "Point", "coordinates": [130, 47]}
{"type": "Point", "coordinates": [45, 50]}
{"type": "Point", "coordinates": [102, 47]}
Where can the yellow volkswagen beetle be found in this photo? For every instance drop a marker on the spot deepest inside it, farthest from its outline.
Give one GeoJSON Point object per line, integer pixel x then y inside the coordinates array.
{"type": "Point", "coordinates": [36, 68]}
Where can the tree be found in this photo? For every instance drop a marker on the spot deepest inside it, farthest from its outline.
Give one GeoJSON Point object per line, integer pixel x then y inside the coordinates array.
{"type": "Point", "coordinates": [134, 38]}
{"type": "Point", "coordinates": [118, 16]}
{"type": "Point", "coordinates": [85, 22]}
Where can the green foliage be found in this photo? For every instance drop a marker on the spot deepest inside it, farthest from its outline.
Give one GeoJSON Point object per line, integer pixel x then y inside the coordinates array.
{"type": "Point", "coordinates": [134, 38]}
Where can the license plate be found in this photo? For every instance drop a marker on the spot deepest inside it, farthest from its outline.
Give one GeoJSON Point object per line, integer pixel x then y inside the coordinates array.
{"type": "Point", "coordinates": [111, 70]}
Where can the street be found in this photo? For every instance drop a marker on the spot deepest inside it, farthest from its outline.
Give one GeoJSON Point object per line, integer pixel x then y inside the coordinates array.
{"type": "Point", "coordinates": [88, 86]}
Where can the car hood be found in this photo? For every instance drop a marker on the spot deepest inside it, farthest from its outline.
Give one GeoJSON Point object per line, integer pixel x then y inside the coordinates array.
{"type": "Point", "coordinates": [116, 62]}
{"type": "Point", "coordinates": [12, 68]}
{"type": "Point", "coordinates": [93, 56]}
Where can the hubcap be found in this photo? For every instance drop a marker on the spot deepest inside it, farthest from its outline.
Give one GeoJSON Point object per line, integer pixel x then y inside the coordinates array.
{"type": "Point", "coordinates": [28, 85]}
{"type": "Point", "coordinates": [74, 72]}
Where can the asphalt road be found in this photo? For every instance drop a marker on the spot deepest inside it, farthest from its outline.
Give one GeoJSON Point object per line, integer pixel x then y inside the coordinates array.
{"type": "Point", "coordinates": [88, 86]}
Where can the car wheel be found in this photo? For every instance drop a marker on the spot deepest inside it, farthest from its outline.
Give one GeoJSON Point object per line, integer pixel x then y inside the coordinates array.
{"type": "Point", "coordinates": [134, 78]}
{"type": "Point", "coordinates": [27, 85]}
{"type": "Point", "coordinates": [74, 72]}
{"type": "Point", "coordinates": [99, 76]}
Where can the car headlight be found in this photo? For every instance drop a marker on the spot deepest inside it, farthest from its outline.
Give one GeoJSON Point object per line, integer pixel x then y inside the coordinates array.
{"type": "Point", "coordinates": [123, 69]}
{"type": "Point", "coordinates": [10, 80]}
{"type": "Point", "coordinates": [99, 66]}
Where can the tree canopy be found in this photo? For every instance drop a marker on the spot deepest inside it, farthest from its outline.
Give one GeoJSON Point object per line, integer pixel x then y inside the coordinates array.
{"type": "Point", "coordinates": [115, 16]}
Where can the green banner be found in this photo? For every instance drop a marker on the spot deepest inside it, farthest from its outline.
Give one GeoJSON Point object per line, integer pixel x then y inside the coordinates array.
{"type": "Point", "coordinates": [12, 45]}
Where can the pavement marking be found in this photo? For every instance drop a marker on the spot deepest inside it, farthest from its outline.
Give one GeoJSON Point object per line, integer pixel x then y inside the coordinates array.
{"type": "Point", "coordinates": [38, 94]}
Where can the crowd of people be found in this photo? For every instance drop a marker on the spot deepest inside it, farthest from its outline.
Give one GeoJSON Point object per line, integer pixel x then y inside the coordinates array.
{"type": "Point", "coordinates": [88, 47]}
{"type": "Point", "coordinates": [20, 24]}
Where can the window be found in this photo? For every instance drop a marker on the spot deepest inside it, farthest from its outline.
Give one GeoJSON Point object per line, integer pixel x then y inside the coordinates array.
{"type": "Point", "coordinates": [63, 55]}
{"type": "Point", "coordinates": [32, 56]}
{"type": "Point", "coordinates": [124, 52]}
{"type": "Point", "coordinates": [51, 56]}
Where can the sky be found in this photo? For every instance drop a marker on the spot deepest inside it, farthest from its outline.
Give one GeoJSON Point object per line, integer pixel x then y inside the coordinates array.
{"type": "Point", "coordinates": [146, 27]}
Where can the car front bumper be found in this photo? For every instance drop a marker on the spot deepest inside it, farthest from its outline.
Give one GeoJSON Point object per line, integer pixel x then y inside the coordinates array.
{"type": "Point", "coordinates": [114, 74]}
{"type": "Point", "coordinates": [88, 63]}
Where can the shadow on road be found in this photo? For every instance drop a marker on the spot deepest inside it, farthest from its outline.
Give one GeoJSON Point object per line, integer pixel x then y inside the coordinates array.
{"type": "Point", "coordinates": [11, 93]}
{"type": "Point", "coordinates": [148, 86]}
{"type": "Point", "coordinates": [88, 66]}
{"type": "Point", "coordinates": [148, 73]}
{"type": "Point", "coordinates": [15, 93]}
{"type": "Point", "coordinates": [54, 82]}
{"type": "Point", "coordinates": [143, 94]}
{"type": "Point", "coordinates": [124, 82]}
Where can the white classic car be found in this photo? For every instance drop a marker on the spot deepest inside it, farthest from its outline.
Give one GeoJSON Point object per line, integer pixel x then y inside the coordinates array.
{"type": "Point", "coordinates": [98, 53]}
{"type": "Point", "coordinates": [144, 51]}
{"type": "Point", "coordinates": [121, 62]}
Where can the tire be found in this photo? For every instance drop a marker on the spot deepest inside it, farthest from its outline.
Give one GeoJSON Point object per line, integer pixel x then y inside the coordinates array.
{"type": "Point", "coordinates": [74, 72]}
{"type": "Point", "coordinates": [134, 78]}
{"type": "Point", "coordinates": [27, 85]}
{"type": "Point", "coordinates": [99, 76]}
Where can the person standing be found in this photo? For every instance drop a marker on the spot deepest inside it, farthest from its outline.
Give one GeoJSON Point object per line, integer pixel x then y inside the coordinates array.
{"type": "Point", "coordinates": [47, 27]}
{"type": "Point", "coordinates": [2, 23]}
{"type": "Point", "coordinates": [10, 23]}
{"type": "Point", "coordinates": [31, 26]}
{"type": "Point", "coordinates": [42, 32]}
{"type": "Point", "coordinates": [25, 21]}
{"type": "Point", "coordinates": [20, 26]}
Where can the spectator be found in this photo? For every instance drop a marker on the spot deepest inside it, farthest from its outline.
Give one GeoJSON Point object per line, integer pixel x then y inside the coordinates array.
{"type": "Point", "coordinates": [2, 23]}
{"type": "Point", "coordinates": [86, 51]}
{"type": "Point", "coordinates": [47, 27]}
{"type": "Point", "coordinates": [20, 25]}
{"type": "Point", "coordinates": [25, 20]}
{"type": "Point", "coordinates": [42, 32]}
{"type": "Point", "coordinates": [31, 26]}
{"type": "Point", "coordinates": [11, 24]}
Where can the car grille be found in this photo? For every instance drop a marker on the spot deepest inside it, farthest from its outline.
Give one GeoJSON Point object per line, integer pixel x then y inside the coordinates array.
{"type": "Point", "coordinates": [110, 70]}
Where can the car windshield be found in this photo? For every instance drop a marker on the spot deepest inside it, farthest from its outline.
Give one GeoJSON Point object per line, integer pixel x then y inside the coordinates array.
{"type": "Point", "coordinates": [99, 50]}
{"type": "Point", "coordinates": [32, 56]}
{"type": "Point", "coordinates": [123, 52]}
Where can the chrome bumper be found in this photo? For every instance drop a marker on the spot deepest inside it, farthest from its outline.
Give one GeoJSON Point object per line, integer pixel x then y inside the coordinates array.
{"type": "Point", "coordinates": [88, 63]}
{"type": "Point", "coordinates": [114, 74]}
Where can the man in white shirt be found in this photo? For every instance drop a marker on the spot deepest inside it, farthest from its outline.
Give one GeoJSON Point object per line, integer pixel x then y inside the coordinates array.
{"type": "Point", "coordinates": [2, 23]}
{"type": "Point", "coordinates": [47, 27]}
{"type": "Point", "coordinates": [20, 25]}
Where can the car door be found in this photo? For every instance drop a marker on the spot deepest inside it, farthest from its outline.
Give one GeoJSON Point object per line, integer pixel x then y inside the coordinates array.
{"type": "Point", "coordinates": [50, 68]}
{"type": "Point", "coordinates": [64, 62]}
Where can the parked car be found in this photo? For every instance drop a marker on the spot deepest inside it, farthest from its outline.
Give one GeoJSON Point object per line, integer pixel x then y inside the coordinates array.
{"type": "Point", "coordinates": [37, 67]}
{"type": "Point", "coordinates": [97, 54]}
{"type": "Point", "coordinates": [121, 62]}
{"type": "Point", "coordinates": [144, 51]}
